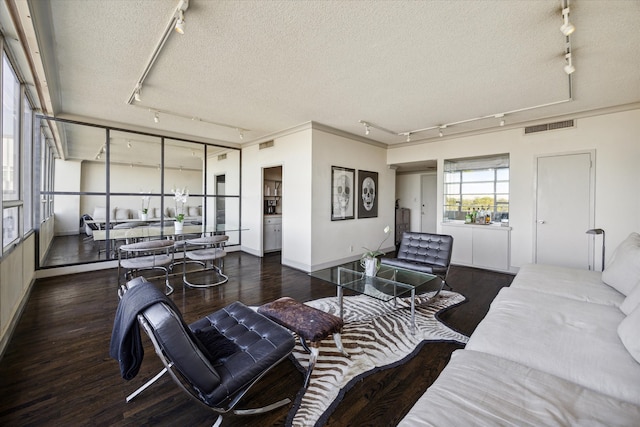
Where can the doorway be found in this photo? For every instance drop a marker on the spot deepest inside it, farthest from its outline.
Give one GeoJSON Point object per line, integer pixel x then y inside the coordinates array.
{"type": "Point", "coordinates": [272, 209]}
{"type": "Point", "coordinates": [428, 203]}
{"type": "Point", "coordinates": [564, 209]}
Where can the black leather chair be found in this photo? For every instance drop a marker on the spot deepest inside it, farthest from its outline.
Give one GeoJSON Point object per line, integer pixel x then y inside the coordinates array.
{"type": "Point", "coordinates": [215, 359]}
{"type": "Point", "coordinates": [424, 252]}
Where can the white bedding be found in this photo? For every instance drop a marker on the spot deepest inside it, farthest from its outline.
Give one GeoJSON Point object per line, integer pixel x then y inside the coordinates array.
{"type": "Point", "coordinates": [583, 285]}
{"type": "Point", "coordinates": [478, 389]}
{"type": "Point", "coordinates": [579, 338]}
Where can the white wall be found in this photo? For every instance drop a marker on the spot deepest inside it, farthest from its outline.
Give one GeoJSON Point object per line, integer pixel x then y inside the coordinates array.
{"type": "Point", "coordinates": [408, 190]}
{"type": "Point", "coordinates": [16, 275]}
{"type": "Point", "coordinates": [310, 240]}
{"type": "Point", "coordinates": [334, 241]}
{"type": "Point", "coordinates": [293, 153]}
{"type": "Point", "coordinates": [615, 138]}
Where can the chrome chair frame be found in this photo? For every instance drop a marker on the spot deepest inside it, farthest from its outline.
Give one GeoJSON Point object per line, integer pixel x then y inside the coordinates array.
{"type": "Point", "coordinates": [211, 249]}
{"type": "Point", "coordinates": [147, 255]}
{"type": "Point", "coordinates": [233, 395]}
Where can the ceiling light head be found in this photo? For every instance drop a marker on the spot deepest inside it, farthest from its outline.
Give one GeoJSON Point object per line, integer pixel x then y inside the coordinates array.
{"type": "Point", "coordinates": [128, 144]}
{"type": "Point", "coordinates": [156, 117]}
{"type": "Point", "coordinates": [567, 27]}
{"type": "Point", "coordinates": [367, 130]}
{"type": "Point", "coordinates": [180, 24]}
{"type": "Point", "coordinates": [408, 136]}
{"type": "Point", "coordinates": [569, 68]}
{"type": "Point", "coordinates": [136, 94]}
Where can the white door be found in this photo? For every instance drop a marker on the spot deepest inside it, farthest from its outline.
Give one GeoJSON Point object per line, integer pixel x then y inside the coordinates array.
{"type": "Point", "coordinates": [428, 209]}
{"type": "Point", "coordinates": [564, 209]}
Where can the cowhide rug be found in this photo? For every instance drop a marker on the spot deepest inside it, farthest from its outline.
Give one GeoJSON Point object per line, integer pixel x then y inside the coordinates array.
{"type": "Point", "coordinates": [377, 336]}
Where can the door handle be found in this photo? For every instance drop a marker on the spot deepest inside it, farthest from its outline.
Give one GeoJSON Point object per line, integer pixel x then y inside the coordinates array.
{"type": "Point", "coordinates": [541, 221]}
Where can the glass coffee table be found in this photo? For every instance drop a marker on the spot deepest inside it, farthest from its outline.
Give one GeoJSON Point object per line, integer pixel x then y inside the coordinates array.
{"type": "Point", "coordinates": [389, 283]}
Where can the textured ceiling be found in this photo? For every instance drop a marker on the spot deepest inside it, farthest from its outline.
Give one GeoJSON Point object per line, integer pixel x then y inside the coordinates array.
{"type": "Point", "coordinates": [266, 66]}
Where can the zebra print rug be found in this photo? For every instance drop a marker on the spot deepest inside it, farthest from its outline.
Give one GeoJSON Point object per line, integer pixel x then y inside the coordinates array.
{"type": "Point", "coordinates": [377, 336]}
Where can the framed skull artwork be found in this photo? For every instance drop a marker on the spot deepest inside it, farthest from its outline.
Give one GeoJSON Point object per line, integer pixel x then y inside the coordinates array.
{"type": "Point", "coordinates": [342, 190]}
{"type": "Point", "coordinates": [367, 194]}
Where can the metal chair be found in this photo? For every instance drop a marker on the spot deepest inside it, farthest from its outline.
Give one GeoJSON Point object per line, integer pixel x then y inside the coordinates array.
{"type": "Point", "coordinates": [148, 255]}
{"type": "Point", "coordinates": [215, 360]}
{"type": "Point", "coordinates": [211, 249]}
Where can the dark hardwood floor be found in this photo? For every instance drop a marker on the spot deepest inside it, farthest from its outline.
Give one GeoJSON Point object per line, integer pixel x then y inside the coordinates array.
{"type": "Point", "coordinates": [57, 371]}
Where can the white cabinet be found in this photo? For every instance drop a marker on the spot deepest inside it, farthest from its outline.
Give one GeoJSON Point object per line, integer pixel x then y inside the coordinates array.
{"type": "Point", "coordinates": [272, 233]}
{"type": "Point", "coordinates": [482, 246]}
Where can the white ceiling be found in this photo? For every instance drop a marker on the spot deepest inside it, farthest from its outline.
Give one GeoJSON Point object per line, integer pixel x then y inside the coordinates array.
{"type": "Point", "coordinates": [267, 66]}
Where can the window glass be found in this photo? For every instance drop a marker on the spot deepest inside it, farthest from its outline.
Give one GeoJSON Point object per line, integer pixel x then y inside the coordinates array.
{"type": "Point", "coordinates": [10, 133]}
{"type": "Point", "coordinates": [10, 225]}
{"type": "Point", "coordinates": [27, 169]}
{"type": "Point", "coordinates": [484, 187]}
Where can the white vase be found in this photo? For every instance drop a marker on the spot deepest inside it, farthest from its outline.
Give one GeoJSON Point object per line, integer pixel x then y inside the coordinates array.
{"type": "Point", "coordinates": [370, 266]}
{"type": "Point", "coordinates": [177, 226]}
{"type": "Point", "coordinates": [143, 216]}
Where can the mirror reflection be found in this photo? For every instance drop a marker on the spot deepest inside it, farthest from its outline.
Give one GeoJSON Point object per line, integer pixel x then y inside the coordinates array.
{"type": "Point", "coordinates": [111, 187]}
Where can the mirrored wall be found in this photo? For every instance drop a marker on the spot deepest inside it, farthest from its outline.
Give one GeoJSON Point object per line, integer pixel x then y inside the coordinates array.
{"type": "Point", "coordinates": [112, 186]}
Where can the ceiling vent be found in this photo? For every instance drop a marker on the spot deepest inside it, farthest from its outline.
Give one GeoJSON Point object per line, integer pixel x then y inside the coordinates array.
{"type": "Point", "coordinates": [222, 156]}
{"type": "Point", "coordinates": [549, 126]}
{"type": "Point", "coordinates": [267, 144]}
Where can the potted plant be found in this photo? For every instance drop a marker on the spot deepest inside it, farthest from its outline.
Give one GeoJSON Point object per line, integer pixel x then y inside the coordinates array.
{"type": "Point", "coordinates": [145, 206]}
{"type": "Point", "coordinates": [369, 260]}
{"type": "Point", "coordinates": [180, 195]}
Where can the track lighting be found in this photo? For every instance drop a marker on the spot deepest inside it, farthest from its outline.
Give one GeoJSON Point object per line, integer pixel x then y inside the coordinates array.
{"type": "Point", "coordinates": [156, 117]}
{"type": "Point", "coordinates": [408, 136]}
{"type": "Point", "coordinates": [136, 93]}
{"type": "Point", "coordinates": [567, 27]}
{"type": "Point", "coordinates": [441, 133]}
{"type": "Point", "coordinates": [367, 130]}
{"type": "Point", "coordinates": [240, 134]}
{"type": "Point", "coordinates": [501, 117]}
{"type": "Point", "coordinates": [180, 22]}
{"type": "Point", "coordinates": [128, 144]}
{"type": "Point", "coordinates": [569, 68]}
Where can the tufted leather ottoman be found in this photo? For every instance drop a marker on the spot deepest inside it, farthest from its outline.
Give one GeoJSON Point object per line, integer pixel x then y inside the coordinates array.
{"type": "Point", "coordinates": [309, 323]}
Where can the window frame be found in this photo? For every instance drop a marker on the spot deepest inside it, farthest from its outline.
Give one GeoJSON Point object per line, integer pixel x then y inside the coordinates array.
{"type": "Point", "coordinates": [456, 204]}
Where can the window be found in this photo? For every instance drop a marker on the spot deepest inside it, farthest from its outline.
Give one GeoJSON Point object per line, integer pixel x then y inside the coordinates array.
{"type": "Point", "coordinates": [476, 184]}
{"type": "Point", "coordinates": [27, 170]}
{"type": "Point", "coordinates": [11, 201]}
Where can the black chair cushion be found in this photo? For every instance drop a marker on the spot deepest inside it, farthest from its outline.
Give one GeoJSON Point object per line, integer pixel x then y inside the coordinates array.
{"type": "Point", "coordinates": [424, 252]}
{"type": "Point", "coordinates": [260, 343]}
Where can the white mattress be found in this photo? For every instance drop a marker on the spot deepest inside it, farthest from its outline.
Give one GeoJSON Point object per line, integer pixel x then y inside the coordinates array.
{"type": "Point", "coordinates": [583, 285]}
{"type": "Point", "coordinates": [574, 340]}
{"type": "Point", "coordinates": [478, 389]}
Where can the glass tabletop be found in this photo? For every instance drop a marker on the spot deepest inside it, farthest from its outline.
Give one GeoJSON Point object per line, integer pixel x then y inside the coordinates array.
{"type": "Point", "coordinates": [389, 282]}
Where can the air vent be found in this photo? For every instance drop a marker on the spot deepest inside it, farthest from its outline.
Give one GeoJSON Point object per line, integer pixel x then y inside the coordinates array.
{"type": "Point", "coordinates": [222, 156]}
{"type": "Point", "coordinates": [267, 144]}
{"type": "Point", "coordinates": [549, 126]}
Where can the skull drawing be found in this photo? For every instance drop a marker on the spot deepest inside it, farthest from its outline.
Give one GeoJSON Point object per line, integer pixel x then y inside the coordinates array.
{"type": "Point", "coordinates": [368, 193]}
{"type": "Point", "coordinates": [343, 193]}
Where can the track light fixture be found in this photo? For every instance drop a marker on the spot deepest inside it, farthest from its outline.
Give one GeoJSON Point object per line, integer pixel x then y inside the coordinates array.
{"type": "Point", "coordinates": [156, 117]}
{"type": "Point", "coordinates": [367, 130]}
{"type": "Point", "coordinates": [240, 134]}
{"type": "Point", "coordinates": [569, 68]}
{"type": "Point", "coordinates": [567, 27]}
{"type": "Point", "coordinates": [136, 93]}
{"type": "Point", "coordinates": [180, 22]}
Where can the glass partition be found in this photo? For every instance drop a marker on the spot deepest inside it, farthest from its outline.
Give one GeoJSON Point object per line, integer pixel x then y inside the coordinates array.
{"type": "Point", "coordinates": [112, 186]}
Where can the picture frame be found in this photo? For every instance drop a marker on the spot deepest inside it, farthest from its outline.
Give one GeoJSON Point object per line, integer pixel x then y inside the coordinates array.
{"type": "Point", "coordinates": [367, 194]}
{"type": "Point", "coordinates": [342, 193]}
